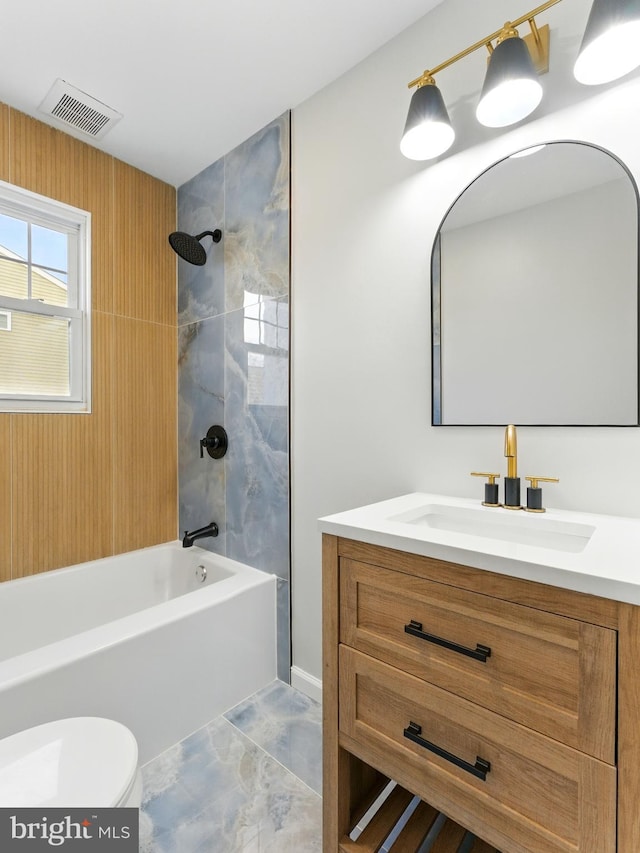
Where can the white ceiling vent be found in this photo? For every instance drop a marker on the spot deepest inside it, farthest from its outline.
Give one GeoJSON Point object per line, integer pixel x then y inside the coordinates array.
{"type": "Point", "coordinates": [73, 109]}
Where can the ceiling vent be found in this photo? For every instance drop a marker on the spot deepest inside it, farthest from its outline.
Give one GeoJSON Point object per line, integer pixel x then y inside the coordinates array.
{"type": "Point", "coordinates": [75, 110]}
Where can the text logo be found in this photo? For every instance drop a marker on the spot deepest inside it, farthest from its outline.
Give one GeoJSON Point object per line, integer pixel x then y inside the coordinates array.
{"type": "Point", "coordinates": [37, 830]}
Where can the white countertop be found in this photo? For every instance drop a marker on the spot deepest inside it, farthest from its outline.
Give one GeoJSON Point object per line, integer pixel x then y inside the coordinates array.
{"type": "Point", "coordinates": [597, 554]}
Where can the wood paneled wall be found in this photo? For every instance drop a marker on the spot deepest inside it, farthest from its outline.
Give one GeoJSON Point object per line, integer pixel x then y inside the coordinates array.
{"type": "Point", "coordinates": [76, 487]}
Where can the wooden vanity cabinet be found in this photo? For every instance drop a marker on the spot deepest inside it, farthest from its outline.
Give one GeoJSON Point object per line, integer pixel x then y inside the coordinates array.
{"type": "Point", "coordinates": [511, 707]}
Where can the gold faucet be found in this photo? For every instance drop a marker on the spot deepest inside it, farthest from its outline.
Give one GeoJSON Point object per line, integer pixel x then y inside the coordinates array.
{"type": "Point", "coordinates": [511, 450]}
{"type": "Point", "coordinates": [511, 482]}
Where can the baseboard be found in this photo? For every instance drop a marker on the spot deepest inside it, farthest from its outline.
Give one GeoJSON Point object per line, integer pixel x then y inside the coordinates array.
{"type": "Point", "coordinates": [306, 683]}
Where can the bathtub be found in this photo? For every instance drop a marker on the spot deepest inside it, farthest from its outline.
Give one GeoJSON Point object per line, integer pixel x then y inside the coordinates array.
{"type": "Point", "coordinates": [162, 639]}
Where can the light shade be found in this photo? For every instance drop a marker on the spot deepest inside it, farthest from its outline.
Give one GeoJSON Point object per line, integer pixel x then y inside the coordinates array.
{"type": "Point", "coordinates": [428, 131]}
{"type": "Point", "coordinates": [511, 88]}
{"type": "Point", "coordinates": [611, 42]}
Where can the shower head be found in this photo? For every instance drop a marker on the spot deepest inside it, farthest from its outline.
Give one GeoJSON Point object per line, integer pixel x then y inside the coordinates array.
{"type": "Point", "coordinates": [189, 248]}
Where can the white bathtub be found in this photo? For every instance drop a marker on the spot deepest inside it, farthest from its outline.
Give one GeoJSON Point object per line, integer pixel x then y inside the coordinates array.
{"type": "Point", "coordinates": [138, 638]}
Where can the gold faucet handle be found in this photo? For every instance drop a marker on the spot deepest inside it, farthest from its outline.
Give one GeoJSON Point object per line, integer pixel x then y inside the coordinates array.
{"type": "Point", "coordinates": [490, 487]}
{"type": "Point", "coordinates": [534, 493]}
{"type": "Point", "coordinates": [535, 480]}
{"type": "Point", "coordinates": [490, 477]}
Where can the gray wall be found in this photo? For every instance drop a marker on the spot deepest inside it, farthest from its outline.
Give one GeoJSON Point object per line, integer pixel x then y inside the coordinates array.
{"type": "Point", "coordinates": [233, 359]}
{"type": "Point", "coordinates": [364, 223]}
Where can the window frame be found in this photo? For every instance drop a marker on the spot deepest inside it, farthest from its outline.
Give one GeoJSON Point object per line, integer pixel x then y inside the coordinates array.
{"type": "Point", "coordinates": [40, 210]}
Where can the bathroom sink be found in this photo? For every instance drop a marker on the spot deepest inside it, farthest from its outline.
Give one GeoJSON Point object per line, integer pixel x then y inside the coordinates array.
{"type": "Point", "coordinates": [505, 525]}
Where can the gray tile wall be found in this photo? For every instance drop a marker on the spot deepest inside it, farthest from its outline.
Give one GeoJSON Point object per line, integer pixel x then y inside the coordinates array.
{"type": "Point", "coordinates": [233, 351]}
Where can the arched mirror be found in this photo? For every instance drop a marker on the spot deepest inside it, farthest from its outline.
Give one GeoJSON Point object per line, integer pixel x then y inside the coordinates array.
{"type": "Point", "coordinates": [535, 294]}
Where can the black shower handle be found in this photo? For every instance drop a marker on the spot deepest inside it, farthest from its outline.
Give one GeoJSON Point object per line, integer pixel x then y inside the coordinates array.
{"type": "Point", "coordinates": [215, 441]}
{"type": "Point", "coordinates": [208, 442]}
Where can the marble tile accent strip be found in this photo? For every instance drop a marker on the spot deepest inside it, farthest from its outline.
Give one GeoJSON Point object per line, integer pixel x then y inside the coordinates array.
{"type": "Point", "coordinates": [200, 405]}
{"type": "Point", "coordinates": [234, 357]}
{"type": "Point", "coordinates": [283, 628]}
{"type": "Point", "coordinates": [256, 412]}
{"type": "Point", "coordinates": [201, 208]}
{"type": "Point", "coordinates": [257, 216]}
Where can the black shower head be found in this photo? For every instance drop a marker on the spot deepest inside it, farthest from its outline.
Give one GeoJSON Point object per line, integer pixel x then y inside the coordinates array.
{"type": "Point", "coordinates": [189, 248]}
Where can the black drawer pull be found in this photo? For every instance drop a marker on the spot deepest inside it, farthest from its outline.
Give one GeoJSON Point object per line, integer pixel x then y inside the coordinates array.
{"type": "Point", "coordinates": [479, 769]}
{"type": "Point", "coordinates": [480, 653]}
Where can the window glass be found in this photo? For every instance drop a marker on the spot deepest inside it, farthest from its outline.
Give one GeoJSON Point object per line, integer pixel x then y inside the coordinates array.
{"type": "Point", "coordinates": [48, 286]}
{"type": "Point", "coordinates": [45, 304]}
{"type": "Point", "coordinates": [13, 237]}
{"type": "Point", "coordinates": [49, 248]}
{"type": "Point", "coordinates": [34, 357]}
{"type": "Point", "coordinates": [14, 279]}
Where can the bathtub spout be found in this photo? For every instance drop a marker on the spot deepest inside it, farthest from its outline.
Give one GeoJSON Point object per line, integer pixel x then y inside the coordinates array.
{"type": "Point", "coordinates": [191, 536]}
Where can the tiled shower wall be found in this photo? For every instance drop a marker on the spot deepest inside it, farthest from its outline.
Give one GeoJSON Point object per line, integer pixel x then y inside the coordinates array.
{"type": "Point", "coordinates": [233, 356]}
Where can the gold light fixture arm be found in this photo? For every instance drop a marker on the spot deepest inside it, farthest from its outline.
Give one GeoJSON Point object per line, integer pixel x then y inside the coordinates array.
{"type": "Point", "coordinates": [424, 78]}
{"type": "Point", "coordinates": [535, 32]}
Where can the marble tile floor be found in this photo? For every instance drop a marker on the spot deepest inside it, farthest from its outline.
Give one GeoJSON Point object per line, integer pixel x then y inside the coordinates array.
{"type": "Point", "coordinates": [248, 782]}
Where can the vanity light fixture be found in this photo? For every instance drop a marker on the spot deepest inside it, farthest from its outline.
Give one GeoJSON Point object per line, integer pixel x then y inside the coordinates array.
{"type": "Point", "coordinates": [609, 47]}
{"type": "Point", "coordinates": [511, 89]}
{"type": "Point", "coordinates": [428, 132]}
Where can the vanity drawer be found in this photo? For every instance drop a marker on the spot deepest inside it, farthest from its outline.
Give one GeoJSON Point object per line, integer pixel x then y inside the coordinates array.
{"type": "Point", "coordinates": [552, 674]}
{"type": "Point", "coordinates": [537, 795]}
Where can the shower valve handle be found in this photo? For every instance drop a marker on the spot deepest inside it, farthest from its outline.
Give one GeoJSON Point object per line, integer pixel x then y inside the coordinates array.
{"type": "Point", "coordinates": [215, 442]}
{"type": "Point", "coordinates": [212, 443]}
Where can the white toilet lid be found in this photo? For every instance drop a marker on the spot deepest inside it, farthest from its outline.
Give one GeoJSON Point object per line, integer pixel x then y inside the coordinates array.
{"type": "Point", "coordinates": [76, 762]}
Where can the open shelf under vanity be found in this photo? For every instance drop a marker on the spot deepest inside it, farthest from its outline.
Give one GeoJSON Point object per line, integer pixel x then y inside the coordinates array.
{"type": "Point", "coordinates": [390, 819]}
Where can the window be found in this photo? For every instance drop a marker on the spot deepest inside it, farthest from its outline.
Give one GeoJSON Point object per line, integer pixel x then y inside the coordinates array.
{"type": "Point", "coordinates": [44, 303]}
